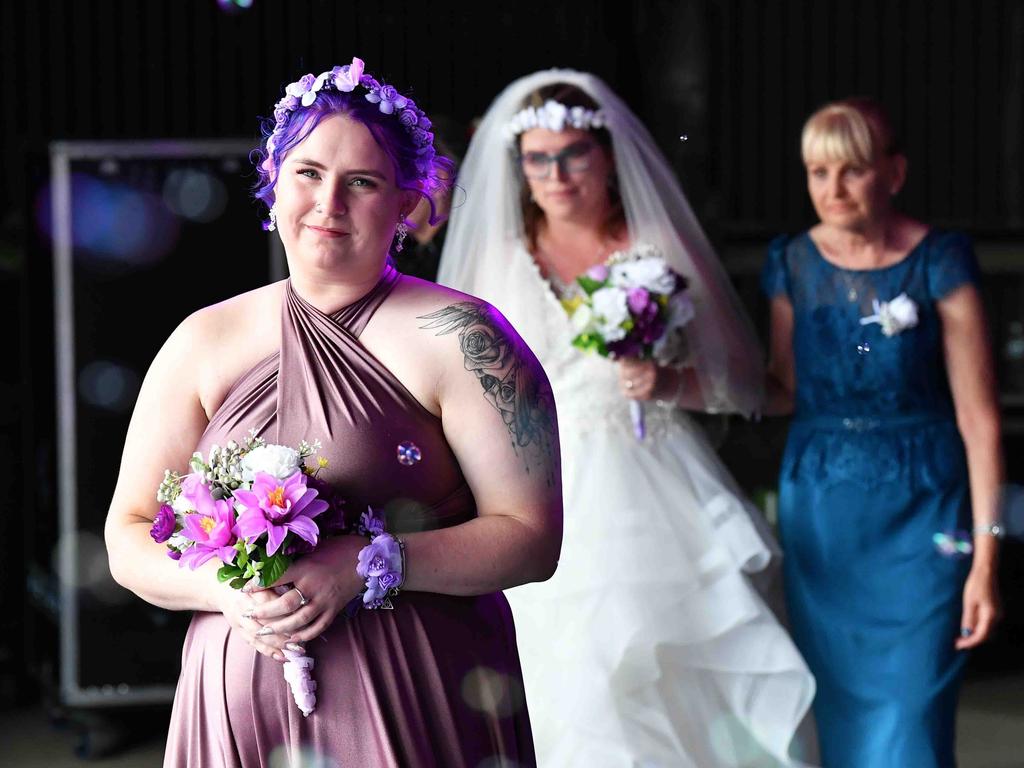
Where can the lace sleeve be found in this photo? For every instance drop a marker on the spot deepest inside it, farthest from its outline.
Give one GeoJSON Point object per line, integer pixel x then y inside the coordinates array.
{"type": "Point", "coordinates": [951, 263]}
{"type": "Point", "coordinates": [774, 275]}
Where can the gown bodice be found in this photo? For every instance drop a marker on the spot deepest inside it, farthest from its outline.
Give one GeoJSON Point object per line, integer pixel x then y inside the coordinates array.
{"type": "Point", "coordinates": [324, 385]}
{"type": "Point", "coordinates": [851, 369]}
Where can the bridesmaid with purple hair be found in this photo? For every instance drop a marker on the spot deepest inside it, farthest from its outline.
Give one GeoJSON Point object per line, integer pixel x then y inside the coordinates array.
{"type": "Point", "coordinates": [430, 409]}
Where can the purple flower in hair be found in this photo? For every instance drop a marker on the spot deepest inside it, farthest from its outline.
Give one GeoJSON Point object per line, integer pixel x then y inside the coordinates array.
{"type": "Point", "coordinates": [387, 99]}
{"type": "Point", "coordinates": [421, 137]}
{"type": "Point", "coordinates": [407, 117]}
{"type": "Point", "coordinates": [348, 77]}
{"type": "Point", "coordinates": [288, 102]}
{"type": "Point", "coordinates": [425, 123]}
{"type": "Point", "coordinates": [321, 79]}
{"type": "Point", "coordinates": [303, 89]}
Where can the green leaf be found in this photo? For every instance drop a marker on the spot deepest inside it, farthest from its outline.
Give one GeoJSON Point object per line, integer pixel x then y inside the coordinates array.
{"type": "Point", "coordinates": [227, 572]}
{"type": "Point", "coordinates": [238, 583]}
{"type": "Point", "coordinates": [274, 568]}
{"type": "Point", "coordinates": [589, 284]}
{"type": "Point", "coordinates": [243, 558]}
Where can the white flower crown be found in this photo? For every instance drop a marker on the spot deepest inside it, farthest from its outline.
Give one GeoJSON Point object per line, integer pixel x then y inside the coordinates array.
{"type": "Point", "coordinates": [554, 116]}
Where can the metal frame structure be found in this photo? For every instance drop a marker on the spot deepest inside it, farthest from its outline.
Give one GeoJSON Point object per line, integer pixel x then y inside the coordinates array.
{"type": "Point", "coordinates": [62, 154]}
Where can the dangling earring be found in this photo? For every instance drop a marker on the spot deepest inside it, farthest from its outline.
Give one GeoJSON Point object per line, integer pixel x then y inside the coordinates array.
{"type": "Point", "coordinates": [401, 232]}
{"type": "Point", "coordinates": [273, 218]}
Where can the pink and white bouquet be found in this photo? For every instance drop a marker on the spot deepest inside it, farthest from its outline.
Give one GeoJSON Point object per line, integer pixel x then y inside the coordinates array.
{"type": "Point", "coordinates": [254, 506]}
{"type": "Point", "coordinates": [633, 305]}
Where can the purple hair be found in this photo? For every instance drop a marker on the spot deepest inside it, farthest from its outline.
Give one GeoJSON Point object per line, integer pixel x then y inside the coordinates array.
{"type": "Point", "coordinates": [411, 172]}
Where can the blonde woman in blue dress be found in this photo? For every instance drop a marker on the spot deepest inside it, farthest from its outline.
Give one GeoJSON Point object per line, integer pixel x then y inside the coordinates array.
{"type": "Point", "coordinates": [648, 647]}
{"type": "Point", "coordinates": [879, 346]}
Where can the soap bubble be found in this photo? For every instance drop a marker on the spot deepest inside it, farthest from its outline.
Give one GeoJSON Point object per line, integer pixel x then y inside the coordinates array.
{"type": "Point", "coordinates": [409, 453]}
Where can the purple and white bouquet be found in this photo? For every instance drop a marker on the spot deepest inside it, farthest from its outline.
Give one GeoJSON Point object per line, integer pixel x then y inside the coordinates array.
{"type": "Point", "coordinates": [254, 506]}
{"type": "Point", "coordinates": [633, 305]}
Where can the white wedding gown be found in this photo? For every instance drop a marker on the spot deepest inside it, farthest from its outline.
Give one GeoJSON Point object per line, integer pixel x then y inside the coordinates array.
{"type": "Point", "coordinates": [649, 646]}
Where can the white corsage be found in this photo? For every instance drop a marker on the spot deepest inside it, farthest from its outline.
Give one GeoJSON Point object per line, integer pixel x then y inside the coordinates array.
{"type": "Point", "coordinates": [894, 316]}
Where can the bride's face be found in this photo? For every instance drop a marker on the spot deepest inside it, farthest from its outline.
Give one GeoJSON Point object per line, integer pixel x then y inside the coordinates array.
{"type": "Point", "coordinates": [336, 199]}
{"type": "Point", "coordinates": [567, 172]}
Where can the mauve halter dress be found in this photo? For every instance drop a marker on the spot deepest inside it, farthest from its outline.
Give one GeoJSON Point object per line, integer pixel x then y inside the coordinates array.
{"type": "Point", "coordinates": [434, 682]}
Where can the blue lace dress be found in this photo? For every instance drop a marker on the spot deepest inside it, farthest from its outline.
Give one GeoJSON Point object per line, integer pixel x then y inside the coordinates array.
{"type": "Point", "coordinates": [874, 466]}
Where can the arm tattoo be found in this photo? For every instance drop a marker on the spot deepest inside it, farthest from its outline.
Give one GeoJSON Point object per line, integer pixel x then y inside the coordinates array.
{"type": "Point", "coordinates": [508, 378]}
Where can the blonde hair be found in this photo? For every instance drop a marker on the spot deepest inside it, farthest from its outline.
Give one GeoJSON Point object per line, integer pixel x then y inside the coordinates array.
{"type": "Point", "coordinates": [853, 130]}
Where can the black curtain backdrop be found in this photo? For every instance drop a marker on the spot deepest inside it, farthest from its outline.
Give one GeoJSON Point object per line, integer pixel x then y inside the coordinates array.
{"type": "Point", "coordinates": [738, 77]}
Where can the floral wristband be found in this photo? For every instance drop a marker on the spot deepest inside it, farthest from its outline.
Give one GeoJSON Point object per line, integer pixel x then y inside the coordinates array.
{"type": "Point", "coordinates": [381, 563]}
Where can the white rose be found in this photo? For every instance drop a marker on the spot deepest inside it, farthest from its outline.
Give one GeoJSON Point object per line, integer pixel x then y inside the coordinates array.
{"type": "Point", "coordinates": [610, 305]}
{"type": "Point", "coordinates": [555, 115]}
{"type": "Point", "coordinates": [277, 460]}
{"type": "Point", "coordinates": [898, 315]}
{"type": "Point", "coordinates": [612, 332]}
{"type": "Point", "coordinates": [651, 273]}
{"type": "Point", "coordinates": [582, 319]}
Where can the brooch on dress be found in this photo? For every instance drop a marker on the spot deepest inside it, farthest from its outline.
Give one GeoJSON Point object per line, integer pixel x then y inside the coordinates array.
{"type": "Point", "coordinates": [894, 316]}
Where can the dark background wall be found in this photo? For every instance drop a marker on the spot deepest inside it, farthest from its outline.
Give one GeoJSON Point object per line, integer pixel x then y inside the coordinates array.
{"type": "Point", "coordinates": [737, 77]}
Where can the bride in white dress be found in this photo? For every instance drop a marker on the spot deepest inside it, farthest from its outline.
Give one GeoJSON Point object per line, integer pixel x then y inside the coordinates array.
{"type": "Point", "coordinates": [649, 646]}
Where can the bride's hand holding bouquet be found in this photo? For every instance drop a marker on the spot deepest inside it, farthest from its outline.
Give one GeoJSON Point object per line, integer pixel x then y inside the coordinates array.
{"type": "Point", "coordinates": [633, 308]}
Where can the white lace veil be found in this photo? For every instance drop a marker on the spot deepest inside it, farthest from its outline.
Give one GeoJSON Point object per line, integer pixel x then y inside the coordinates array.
{"type": "Point", "coordinates": [485, 231]}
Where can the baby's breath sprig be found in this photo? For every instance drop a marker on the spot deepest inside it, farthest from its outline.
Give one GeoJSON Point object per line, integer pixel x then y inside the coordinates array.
{"type": "Point", "coordinates": [169, 488]}
{"type": "Point", "coordinates": [308, 449]}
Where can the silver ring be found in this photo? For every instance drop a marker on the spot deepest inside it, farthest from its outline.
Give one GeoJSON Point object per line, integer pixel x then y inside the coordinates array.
{"type": "Point", "coordinates": [966, 632]}
{"type": "Point", "coordinates": [629, 383]}
{"type": "Point", "coordinates": [302, 598]}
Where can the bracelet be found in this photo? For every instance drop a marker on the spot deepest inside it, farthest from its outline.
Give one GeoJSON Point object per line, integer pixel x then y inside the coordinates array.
{"type": "Point", "coordinates": [381, 563]}
{"type": "Point", "coordinates": [990, 529]}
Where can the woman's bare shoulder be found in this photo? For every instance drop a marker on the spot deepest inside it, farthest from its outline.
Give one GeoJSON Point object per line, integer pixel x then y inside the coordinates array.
{"type": "Point", "coordinates": [235, 315]}
{"type": "Point", "coordinates": [418, 295]}
{"type": "Point", "coordinates": [219, 343]}
{"type": "Point", "coordinates": [429, 306]}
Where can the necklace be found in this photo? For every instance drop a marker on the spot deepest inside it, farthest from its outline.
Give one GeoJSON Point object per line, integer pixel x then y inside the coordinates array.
{"type": "Point", "coordinates": [851, 290]}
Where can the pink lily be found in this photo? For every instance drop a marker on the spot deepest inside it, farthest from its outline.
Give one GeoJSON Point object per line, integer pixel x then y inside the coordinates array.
{"type": "Point", "coordinates": [276, 507]}
{"type": "Point", "coordinates": [211, 528]}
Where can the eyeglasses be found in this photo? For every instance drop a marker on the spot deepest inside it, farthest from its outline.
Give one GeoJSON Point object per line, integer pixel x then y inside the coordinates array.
{"type": "Point", "coordinates": [574, 159]}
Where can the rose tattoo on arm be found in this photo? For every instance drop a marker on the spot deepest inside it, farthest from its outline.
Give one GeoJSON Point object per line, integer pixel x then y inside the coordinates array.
{"type": "Point", "coordinates": [508, 377]}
